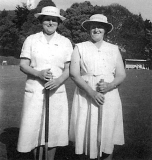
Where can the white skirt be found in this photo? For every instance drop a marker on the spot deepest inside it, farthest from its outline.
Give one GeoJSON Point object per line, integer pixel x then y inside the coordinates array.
{"type": "Point", "coordinates": [84, 121]}
{"type": "Point", "coordinates": [32, 125]}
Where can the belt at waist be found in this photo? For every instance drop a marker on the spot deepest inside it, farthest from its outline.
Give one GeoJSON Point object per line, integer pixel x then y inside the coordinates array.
{"type": "Point", "coordinates": [107, 78]}
{"type": "Point", "coordinates": [91, 74]}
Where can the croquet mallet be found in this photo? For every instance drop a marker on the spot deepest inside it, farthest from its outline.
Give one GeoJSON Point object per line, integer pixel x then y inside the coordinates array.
{"type": "Point", "coordinates": [99, 130]}
{"type": "Point", "coordinates": [47, 91]}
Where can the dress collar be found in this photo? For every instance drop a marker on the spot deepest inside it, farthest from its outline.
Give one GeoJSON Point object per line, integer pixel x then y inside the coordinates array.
{"type": "Point", "coordinates": [99, 49]}
{"type": "Point", "coordinates": [43, 39]}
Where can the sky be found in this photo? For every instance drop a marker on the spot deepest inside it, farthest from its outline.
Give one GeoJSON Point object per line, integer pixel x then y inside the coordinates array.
{"type": "Point", "coordinates": [144, 7]}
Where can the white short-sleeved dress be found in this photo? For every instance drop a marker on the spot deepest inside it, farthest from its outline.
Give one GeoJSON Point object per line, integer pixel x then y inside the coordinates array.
{"type": "Point", "coordinates": [96, 64]}
{"type": "Point", "coordinates": [44, 55]}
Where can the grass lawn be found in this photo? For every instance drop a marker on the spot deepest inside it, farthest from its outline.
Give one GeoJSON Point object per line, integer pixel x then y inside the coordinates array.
{"type": "Point", "coordinates": [136, 95]}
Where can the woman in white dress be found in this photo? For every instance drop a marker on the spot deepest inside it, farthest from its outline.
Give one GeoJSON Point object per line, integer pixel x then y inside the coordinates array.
{"type": "Point", "coordinates": [45, 59]}
{"type": "Point", "coordinates": [92, 61]}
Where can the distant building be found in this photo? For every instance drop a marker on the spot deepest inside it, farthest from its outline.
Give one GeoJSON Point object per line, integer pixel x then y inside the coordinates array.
{"type": "Point", "coordinates": [4, 63]}
{"type": "Point", "coordinates": [136, 64]}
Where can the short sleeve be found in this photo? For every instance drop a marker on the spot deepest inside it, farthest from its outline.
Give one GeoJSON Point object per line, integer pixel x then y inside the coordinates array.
{"type": "Point", "coordinates": [69, 50]}
{"type": "Point", "coordinates": [117, 53]}
{"type": "Point", "coordinates": [26, 48]}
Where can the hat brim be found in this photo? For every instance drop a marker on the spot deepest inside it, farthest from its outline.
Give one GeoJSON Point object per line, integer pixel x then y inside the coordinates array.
{"type": "Point", "coordinates": [42, 14]}
{"type": "Point", "coordinates": [86, 25]}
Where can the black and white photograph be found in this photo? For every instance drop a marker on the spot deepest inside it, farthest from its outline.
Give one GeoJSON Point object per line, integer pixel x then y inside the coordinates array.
{"type": "Point", "coordinates": [75, 80]}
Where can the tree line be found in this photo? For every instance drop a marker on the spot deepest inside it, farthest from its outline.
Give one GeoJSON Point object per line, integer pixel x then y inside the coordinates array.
{"type": "Point", "coordinates": [131, 33]}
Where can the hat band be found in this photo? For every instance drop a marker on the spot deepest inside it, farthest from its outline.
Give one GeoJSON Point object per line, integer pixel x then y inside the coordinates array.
{"type": "Point", "coordinates": [51, 14]}
{"type": "Point", "coordinates": [98, 20]}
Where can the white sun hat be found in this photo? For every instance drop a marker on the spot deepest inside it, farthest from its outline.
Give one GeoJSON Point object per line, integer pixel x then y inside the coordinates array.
{"type": "Point", "coordinates": [98, 19]}
{"type": "Point", "coordinates": [50, 11]}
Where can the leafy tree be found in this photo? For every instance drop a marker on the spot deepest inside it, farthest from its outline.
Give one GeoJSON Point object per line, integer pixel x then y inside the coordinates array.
{"type": "Point", "coordinates": [31, 25]}
{"type": "Point", "coordinates": [64, 31]}
{"type": "Point", "coordinates": [147, 24]}
{"type": "Point", "coordinates": [3, 14]}
{"type": "Point", "coordinates": [130, 33]}
{"type": "Point", "coordinates": [133, 35]}
{"type": "Point", "coordinates": [8, 37]}
{"type": "Point", "coordinates": [21, 16]}
{"type": "Point", "coordinates": [44, 3]}
{"type": "Point", "coordinates": [148, 36]}
{"type": "Point", "coordinates": [75, 15]}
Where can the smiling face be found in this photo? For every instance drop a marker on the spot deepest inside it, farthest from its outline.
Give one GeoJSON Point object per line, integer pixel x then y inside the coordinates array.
{"type": "Point", "coordinates": [50, 24]}
{"type": "Point", "coordinates": [97, 32]}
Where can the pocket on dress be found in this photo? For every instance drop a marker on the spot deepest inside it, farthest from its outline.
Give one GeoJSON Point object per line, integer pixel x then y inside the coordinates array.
{"type": "Point", "coordinates": [30, 85]}
{"type": "Point", "coordinates": [34, 85]}
{"type": "Point", "coordinates": [28, 88]}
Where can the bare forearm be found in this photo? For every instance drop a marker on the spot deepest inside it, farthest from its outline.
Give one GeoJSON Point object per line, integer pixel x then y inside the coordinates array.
{"type": "Point", "coordinates": [117, 81]}
{"type": "Point", "coordinates": [82, 84]}
{"type": "Point", "coordinates": [64, 76]}
{"type": "Point", "coordinates": [29, 70]}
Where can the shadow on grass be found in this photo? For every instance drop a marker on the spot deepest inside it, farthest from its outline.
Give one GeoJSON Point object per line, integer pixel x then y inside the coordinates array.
{"type": "Point", "coordinates": [132, 150]}
{"type": "Point", "coordinates": [9, 137]}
